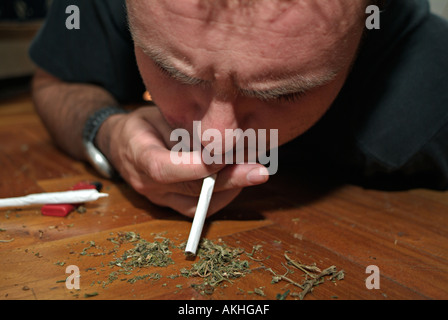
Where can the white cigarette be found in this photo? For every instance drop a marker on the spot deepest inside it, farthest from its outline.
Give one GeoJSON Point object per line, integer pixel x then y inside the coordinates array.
{"type": "Point", "coordinates": [200, 214]}
{"type": "Point", "coordinates": [75, 196]}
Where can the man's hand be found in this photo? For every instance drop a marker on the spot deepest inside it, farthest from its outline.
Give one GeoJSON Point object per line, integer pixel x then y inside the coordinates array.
{"type": "Point", "coordinates": [138, 146]}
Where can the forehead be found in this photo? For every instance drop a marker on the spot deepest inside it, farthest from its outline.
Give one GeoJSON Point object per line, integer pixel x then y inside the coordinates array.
{"type": "Point", "coordinates": [269, 35]}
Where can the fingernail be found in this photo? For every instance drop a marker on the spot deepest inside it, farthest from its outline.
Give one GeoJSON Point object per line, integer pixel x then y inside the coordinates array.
{"type": "Point", "coordinates": [258, 175]}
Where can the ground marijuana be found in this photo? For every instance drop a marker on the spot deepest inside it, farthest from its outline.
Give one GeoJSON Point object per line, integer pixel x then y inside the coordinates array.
{"type": "Point", "coordinates": [145, 254]}
{"type": "Point", "coordinates": [217, 263]}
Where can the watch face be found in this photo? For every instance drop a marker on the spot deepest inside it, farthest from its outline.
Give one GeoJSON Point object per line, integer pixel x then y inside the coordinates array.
{"type": "Point", "coordinates": [98, 160]}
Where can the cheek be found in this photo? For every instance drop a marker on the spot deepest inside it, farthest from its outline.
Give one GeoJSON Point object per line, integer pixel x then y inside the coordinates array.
{"type": "Point", "coordinates": [295, 118]}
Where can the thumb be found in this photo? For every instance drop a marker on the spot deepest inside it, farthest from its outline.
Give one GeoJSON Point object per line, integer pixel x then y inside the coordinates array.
{"type": "Point", "coordinates": [239, 176]}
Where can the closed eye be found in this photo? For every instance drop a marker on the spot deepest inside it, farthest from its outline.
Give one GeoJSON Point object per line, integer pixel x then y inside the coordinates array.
{"type": "Point", "coordinates": [291, 97]}
{"type": "Point", "coordinates": [274, 95]}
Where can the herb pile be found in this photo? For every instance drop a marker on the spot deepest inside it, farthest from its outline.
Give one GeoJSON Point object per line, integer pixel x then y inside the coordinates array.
{"type": "Point", "coordinates": [144, 254]}
{"type": "Point", "coordinates": [217, 264]}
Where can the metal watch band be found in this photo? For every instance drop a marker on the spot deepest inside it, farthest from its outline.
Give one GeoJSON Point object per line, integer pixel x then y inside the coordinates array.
{"type": "Point", "coordinates": [91, 127]}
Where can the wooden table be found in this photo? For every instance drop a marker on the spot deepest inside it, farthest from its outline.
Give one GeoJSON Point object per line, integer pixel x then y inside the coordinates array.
{"type": "Point", "coordinates": [403, 234]}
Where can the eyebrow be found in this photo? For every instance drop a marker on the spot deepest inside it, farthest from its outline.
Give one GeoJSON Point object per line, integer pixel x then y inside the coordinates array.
{"type": "Point", "coordinates": [297, 84]}
{"type": "Point", "coordinates": [162, 62]}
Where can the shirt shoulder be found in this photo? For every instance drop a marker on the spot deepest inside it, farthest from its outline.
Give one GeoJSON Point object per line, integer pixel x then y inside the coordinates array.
{"type": "Point", "coordinates": [405, 103]}
{"type": "Point", "coordinates": [100, 51]}
{"type": "Point", "coordinates": [388, 126]}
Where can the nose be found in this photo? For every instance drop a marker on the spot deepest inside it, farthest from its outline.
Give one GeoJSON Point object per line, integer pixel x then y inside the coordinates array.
{"type": "Point", "coordinates": [219, 124]}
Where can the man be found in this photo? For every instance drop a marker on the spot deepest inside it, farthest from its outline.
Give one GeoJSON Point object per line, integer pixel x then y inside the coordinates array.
{"type": "Point", "coordinates": [371, 104]}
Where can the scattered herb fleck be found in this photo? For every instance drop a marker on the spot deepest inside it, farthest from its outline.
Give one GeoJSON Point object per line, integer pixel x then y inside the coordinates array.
{"type": "Point", "coordinates": [92, 294]}
{"type": "Point", "coordinates": [81, 209]}
{"type": "Point", "coordinates": [314, 276]}
{"type": "Point", "coordinates": [260, 291]}
{"type": "Point", "coordinates": [282, 296]}
{"type": "Point", "coordinates": [152, 276]}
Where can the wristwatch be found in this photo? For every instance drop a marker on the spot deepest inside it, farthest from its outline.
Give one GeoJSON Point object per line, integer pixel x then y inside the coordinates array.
{"type": "Point", "coordinates": [94, 156]}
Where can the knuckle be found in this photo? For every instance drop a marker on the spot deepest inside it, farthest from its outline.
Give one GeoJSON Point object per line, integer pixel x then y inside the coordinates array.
{"type": "Point", "coordinates": [154, 168]}
{"type": "Point", "coordinates": [154, 172]}
{"type": "Point", "coordinates": [137, 185]}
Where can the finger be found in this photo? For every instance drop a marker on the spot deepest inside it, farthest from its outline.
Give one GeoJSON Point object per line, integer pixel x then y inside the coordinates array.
{"type": "Point", "coordinates": [147, 149]}
{"type": "Point", "coordinates": [231, 177]}
{"type": "Point", "coordinates": [183, 204]}
{"type": "Point", "coordinates": [240, 176]}
{"type": "Point", "coordinates": [166, 167]}
{"type": "Point", "coordinates": [171, 166]}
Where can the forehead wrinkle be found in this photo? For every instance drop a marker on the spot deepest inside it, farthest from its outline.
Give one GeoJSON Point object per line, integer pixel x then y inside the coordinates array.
{"type": "Point", "coordinates": [276, 38]}
{"type": "Point", "coordinates": [265, 86]}
{"type": "Point", "coordinates": [274, 26]}
{"type": "Point", "coordinates": [263, 82]}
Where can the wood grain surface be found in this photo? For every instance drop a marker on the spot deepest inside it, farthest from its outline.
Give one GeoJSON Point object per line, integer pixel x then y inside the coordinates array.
{"type": "Point", "coordinates": [404, 234]}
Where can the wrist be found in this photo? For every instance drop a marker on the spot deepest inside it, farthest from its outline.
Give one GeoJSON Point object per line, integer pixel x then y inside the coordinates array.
{"type": "Point", "coordinates": [104, 136]}
{"type": "Point", "coordinates": [96, 134]}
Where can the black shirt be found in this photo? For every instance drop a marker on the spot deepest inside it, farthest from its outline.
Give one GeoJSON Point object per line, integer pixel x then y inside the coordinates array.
{"type": "Point", "coordinates": [100, 52]}
{"type": "Point", "coordinates": [388, 128]}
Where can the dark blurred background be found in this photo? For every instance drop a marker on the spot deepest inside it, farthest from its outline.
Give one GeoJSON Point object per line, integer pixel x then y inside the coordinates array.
{"type": "Point", "coordinates": [19, 22]}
